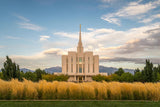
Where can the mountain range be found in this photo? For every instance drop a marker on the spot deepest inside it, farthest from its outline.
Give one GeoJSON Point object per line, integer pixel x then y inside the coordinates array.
{"type": "Point", "coordinates": [103, 69]}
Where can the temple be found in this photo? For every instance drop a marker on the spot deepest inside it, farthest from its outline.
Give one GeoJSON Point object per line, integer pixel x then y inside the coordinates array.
{"type": "Point", "coordinates": [80, 66]}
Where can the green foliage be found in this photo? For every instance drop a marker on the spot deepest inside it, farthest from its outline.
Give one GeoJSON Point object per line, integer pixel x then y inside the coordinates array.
{"type": "Point", "coordinates": [120, 71]}
{"type": "Point", "coordinates": [30, 76]}
{"type": "Point", "coordinates": [126, 77]}
{"type": "Point", "coordinates": [1, 75]}
{"type": "Point", "coordinates": [158, 77]}
{"type": "Point", "coordinates": [138, 76]}
{"type": "Point", "coordinates": [61, 77]}
{"type": "Point", "coordinates": [114, 77]}
{"type": "Point", "coordinates": [39, 73]}
{"type": "Point", "coordinates": [11, 70]}
{"type": "Point", "coordinates": [148, 71]}
{"type": "Point", "coordinates": [51, 77]}
{"type": "Point", "coordinates": [99, 77]}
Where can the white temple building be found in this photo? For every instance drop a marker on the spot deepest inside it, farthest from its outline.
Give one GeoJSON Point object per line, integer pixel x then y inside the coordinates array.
{"type": "Point", "coordinates": [80, 66]}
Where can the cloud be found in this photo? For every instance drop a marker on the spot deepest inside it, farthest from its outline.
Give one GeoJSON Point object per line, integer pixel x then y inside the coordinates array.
{"type": "Point", "coordinates": [53, 51]}
{"type": "Point", "coordinates": [47, 58]}
{"type": "Point", "coordinates": [133, 60]}
{"type": "Point", "coordinates": [110, 43]}
{"type": "Point", "coordinates": [26, 24]}
{"type": "Point", "coordinates": [132, 10]}
{"type": "Point", "coordinates": [44, 37]}
{"type": "Point", "coordinates": [22, 18]}
{"type": "Point", "coordinates": [70, 35]}
{"type": "Point", "coordinates": [12, 37]}
{"type": "Point", "coordinates": [150, 44]}
{"type": "Point", "coordinates": [30, 26]}
{"type": "Point", "coordinates": [150, 19]}
{"type": "Point", "coordinates": [141, 42]}
{"type": "Point", "coordinates": [110, 37]}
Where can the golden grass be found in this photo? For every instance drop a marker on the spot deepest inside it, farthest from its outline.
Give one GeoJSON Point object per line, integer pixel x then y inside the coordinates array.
{"type": "Point", "coordinates": [88, 91]}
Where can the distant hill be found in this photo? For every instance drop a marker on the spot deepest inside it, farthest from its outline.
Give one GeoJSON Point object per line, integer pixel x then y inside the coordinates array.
{"type": "Point", "coordinates": [109, 70]}
{"type": "Point", "coordinates": [53, 69]}
{"type": "Point", "coordinates": [26, 70]}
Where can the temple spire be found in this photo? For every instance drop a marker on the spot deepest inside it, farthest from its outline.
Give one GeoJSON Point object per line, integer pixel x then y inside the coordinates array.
{"type": "Point", "coordinates": [80, 42]}
{"type": "Point", "coordinates": [80, 47]}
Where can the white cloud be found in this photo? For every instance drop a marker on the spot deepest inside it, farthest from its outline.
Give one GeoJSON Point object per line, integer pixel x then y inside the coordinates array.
{"type": "Point", "coordinates": [26, 24]}
{"type": "Point", "coordinates": [70, 35]}
{"type": "Point", "coordinates": [150, 19]}
{"type": "Point", "coordinates": [106, 42]}
{"type": "Point", "coordinates": [132, 10]}
{"type": "Point", "coordinates": [44, 59]}
{"type": "Point", "coordinates": [30, 26]}
{"type": "Point", "coordinates": [22, 18]}
{"type": "Point", "coordinates": [44, 37]}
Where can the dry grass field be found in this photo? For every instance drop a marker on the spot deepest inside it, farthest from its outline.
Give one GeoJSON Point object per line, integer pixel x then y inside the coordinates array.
{"type": "Point", "coordinates": [42, 90]}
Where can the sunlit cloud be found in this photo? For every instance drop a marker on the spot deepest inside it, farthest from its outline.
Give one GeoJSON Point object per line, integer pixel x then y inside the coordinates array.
{"type": "Point", "coordinates": [44, 37]}
{"type": "Point", "coordinates": [132, 11]}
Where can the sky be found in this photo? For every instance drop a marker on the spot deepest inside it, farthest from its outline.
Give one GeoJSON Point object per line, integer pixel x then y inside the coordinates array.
{"type": "Point", "coordinates": [36, 33]}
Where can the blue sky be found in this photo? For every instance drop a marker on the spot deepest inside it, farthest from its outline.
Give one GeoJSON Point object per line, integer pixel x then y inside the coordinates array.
{"type": "Point", "coordinates": [35, 33]}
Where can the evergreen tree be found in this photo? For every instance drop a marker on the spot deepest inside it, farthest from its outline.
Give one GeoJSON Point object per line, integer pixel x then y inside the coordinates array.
{"type": "Point", "coordinates": [147, 73]}
{"type": "Point", "coordinates": [11, 70]}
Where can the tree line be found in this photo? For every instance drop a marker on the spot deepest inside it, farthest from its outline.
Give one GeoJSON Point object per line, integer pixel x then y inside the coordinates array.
{"type": "Point", "coordinates": [12, 70]}
{"type": "Point", "coordinates": [148, 74]}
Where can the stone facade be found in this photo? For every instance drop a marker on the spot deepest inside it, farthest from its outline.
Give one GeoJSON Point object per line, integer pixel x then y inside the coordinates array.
{"type": "Point", "coordinates": [80, 66]}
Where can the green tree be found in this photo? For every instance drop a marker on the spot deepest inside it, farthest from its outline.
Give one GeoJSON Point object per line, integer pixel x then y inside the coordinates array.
{"type": "Point", "coordinates": [114, 77]}
{"type": "Point", "coordinates": [120, 71]}
{"type": "Point", "coordinates": [1, 75]}
{"type": "Point", "coordinates": [148, 72]}
{"type": "Point", "coordinates": [11, 70]}
{"type": "Point", "coordinates": [52, 77]}
{"type": "Point", "coordinates": [127, 77]}
{"type": "Point", "coordinates": [155, 74]}
{"type": "Point", "coordinates": [138, 77]}
{"type": "Point", "coordinates": [30, 76]}
{"type": "Point", "coordinates": [158, 68]}
{"type": "Point", "coordinates": [158, 77]}
{"type": "Point", "coordinates": [136, 70]}
{"type": "Point", "coordinates": [99, 78]}
{"type": "Point", "coordinates": [39, 73]}
{"type": "Point", "coordinates": [61, 77]}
